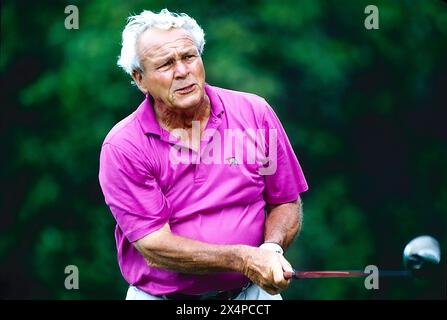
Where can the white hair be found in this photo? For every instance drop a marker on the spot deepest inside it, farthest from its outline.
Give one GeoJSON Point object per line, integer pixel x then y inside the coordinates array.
{"type": "Point", "coordinates": [137, 24]}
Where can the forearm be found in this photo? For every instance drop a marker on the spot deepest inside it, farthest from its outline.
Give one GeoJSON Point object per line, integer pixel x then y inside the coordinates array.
{"type": "Point", "coordinates": [164, 249]}
{"type": "Point", "coordinates": [283, 222]}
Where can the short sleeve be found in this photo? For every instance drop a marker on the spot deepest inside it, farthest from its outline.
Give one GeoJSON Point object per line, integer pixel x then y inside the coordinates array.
{"type": "Point", "coordinates": [284, 178]}
{"type": "Point", "coordinates": [132, 193]}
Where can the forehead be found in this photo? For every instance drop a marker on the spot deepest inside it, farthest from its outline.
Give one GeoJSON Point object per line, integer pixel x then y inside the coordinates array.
{"type": "Point", "coordinates": [154, 43]}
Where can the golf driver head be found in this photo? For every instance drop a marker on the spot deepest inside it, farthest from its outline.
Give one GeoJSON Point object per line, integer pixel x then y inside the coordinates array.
{"type": "Point", "coordinates": [421, 250]}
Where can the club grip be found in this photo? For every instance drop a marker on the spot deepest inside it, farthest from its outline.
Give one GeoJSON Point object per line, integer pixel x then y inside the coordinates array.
{"type": "Point", "coordinates": [289, 275]}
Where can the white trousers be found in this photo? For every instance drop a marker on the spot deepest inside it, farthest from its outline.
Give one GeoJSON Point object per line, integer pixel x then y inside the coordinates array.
{"type": "Point", "coordinates": [252, 292]}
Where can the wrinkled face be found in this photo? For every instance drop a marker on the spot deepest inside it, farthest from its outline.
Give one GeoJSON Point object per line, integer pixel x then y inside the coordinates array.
{"type": "Point", "coordinates": [173, 72]}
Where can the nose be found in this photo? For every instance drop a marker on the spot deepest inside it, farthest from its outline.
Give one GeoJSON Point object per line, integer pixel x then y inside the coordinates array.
{"type": "Point", "coordinates": [181, 70]}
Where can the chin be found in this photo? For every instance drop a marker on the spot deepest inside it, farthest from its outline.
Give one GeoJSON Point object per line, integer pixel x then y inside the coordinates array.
{"type": "Point", "coordinates": [189, 102]}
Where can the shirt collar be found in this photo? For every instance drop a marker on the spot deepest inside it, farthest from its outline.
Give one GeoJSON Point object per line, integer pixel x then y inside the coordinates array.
{"type": "Point", "coordinates": [216, 104]}
{"type": "Point", "coordinates": [148, 120]}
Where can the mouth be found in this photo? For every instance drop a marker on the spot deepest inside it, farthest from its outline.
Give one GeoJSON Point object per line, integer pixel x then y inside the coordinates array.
{"type": "Point", "coordinates": [187, 89]}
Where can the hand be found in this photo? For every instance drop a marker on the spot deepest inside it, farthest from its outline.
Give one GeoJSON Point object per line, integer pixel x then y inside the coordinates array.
{"type": "Point", "coordinates": [268, 269]}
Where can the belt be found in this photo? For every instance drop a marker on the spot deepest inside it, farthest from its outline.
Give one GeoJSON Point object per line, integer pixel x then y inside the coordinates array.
{"type": "Point", "coordinates": [214, 295]}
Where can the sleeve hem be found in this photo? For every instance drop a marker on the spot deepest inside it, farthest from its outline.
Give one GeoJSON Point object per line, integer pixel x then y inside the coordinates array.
{"type": "Point", "coordinates": [142, 232]}
{"type": "Point", "coordinates": [287, 198]}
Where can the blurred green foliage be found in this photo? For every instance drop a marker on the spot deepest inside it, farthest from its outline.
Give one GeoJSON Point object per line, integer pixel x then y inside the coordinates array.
{"type": "Point", "coordinates": [365, 111]}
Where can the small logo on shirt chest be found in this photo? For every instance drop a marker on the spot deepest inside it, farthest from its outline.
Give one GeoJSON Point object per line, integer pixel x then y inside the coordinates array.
{"type": "Point", "coordinates": [232, 161]}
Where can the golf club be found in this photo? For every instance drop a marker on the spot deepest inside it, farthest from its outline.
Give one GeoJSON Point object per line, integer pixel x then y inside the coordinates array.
{"type": "Point", "coordinates": [417, 253]}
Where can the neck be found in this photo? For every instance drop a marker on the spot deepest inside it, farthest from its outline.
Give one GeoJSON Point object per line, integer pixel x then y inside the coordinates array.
{"type": "Point", "coordinates": [170, 118]}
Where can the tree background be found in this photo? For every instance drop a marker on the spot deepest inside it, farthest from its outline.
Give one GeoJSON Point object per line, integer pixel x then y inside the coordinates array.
{"type": "Point", "coordinates": [365, 111]}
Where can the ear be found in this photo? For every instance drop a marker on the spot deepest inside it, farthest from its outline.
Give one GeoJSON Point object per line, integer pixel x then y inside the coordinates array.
{"type": "Point", "coordinates": [137, 76]}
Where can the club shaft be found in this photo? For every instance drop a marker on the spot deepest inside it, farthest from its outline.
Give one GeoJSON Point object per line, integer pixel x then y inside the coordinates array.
{"type": "Point", "coordinates": [348, 274]}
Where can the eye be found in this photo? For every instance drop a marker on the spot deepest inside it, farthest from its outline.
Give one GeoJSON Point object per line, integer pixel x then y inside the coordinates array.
{"type": "Point", "coordinates": [165, 66]}
{"type": "Point", "coordinates": [189, 57]}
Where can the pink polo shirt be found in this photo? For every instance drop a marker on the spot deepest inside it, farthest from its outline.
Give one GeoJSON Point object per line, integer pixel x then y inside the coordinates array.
{"type": "Point", "coordinates": [216, 196]}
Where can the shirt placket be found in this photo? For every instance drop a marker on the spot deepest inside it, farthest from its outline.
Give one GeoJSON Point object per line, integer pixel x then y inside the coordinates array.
{"type": "Point", "coordinates": [202, 170]}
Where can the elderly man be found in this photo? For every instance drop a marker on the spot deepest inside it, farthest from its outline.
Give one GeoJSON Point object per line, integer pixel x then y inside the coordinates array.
{"type": "Point", "coordinates": [198, 215]}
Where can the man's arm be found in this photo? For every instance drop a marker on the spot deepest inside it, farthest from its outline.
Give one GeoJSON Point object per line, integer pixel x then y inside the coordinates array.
{"type": "Point", "coordinates": [163, 249]}
{"type": "Point", "coordinates": [283, 223]}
